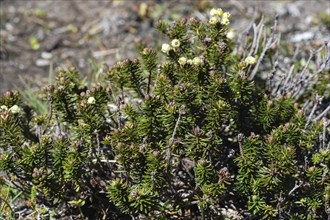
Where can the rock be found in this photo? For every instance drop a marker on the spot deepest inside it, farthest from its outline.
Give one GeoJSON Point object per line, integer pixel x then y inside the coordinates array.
{"type": "Point", "coordinates": [42, 62]}
{"type": "Point", "coordinates": [46, 55]}
{"type": "Point", "coordinates": [302, 37]}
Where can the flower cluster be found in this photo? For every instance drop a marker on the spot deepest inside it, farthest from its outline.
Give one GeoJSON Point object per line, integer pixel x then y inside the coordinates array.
{"type": "Point", "coordinates": [3, 108]}
{"type": "Point", "coordinates": [174, 44]}
{"type": "Point", "coordinates": [196, 61]}
{"type": "Point", "coordinates": [250, 60]}
{"type": "Point", "coordinates": [14, 109]}
{"type": "Point", "coordinates": [217, 15]}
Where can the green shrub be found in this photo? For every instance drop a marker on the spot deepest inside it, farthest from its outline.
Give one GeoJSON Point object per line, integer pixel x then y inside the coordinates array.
{"type": "Point", "coordinates": [201, 134]}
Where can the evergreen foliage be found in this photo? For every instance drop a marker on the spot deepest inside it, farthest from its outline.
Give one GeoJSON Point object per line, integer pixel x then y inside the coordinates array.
{"type": "Point", "coordinates": [189, 136]}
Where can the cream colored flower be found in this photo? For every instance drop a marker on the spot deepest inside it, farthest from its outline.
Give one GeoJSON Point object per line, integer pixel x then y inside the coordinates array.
{"type": "Point", "coordinates": [250, 60]}
{"type": "Point", "coordinates": [3, 108]}
{"type": "Point", "coordinates": [15, 109]}
{"type": "Point", "coordinates": [197, 61]}
{"type": "Point", "coordinates": [216, 12]}
{"type": "Point", "coordinates": [182, 61]}
{"type": "Point", "coordinates": [213, 12]}
{"type": "Point", "coordinates": [175, 43]}
{"type": "Point", "coordinates": [166, 48]}
{"type": "Point", "coordinates": [91, 100]}
{"type": "Point", "coordinates": [213, 20]}
{"type": "Point", "coordinates": [225, 21]}
{"type": "Point", "coordinates": [190, 61]}
{"type": "Point", "coordinates": [226, 15]}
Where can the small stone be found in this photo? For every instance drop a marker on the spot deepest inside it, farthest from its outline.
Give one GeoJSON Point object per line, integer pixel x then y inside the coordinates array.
{"type": "Point", "coordinates": [302, 37]}
{"type": "Point", "coordinates": [42, 62]}
{"type": "Point", "coordinates": [46, 55]}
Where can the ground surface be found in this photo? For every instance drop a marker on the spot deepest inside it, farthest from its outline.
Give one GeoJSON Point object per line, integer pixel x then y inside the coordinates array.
{"type": "Point", "coordinates": [39, 36]}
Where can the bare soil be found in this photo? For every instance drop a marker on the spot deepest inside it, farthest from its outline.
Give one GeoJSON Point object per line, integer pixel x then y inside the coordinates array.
{"type": "Point", "coordinates": [38, 36]}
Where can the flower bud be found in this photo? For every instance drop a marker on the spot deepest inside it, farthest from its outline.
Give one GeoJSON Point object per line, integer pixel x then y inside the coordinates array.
{"type": "Point", "coordinates": [270, 139]}
{"type": "Point", "coordinates": [289, 95]}
{"type": "Point", "coordinates": [193, 21]}
{"type": "Point", "coordinates": [142, 148]}
{"type": "Point", "coordinates": [202, 162]}
{"type": "Point", "coordinates": [61, 89]}
{"type": "Point", "coordinates": [155, 153]}
{"type": "Point", "coordinates": [197, 131]}
{"type": "Point", "coordinates": [182, 21]}
{"type": "Point", "coordinates": [72, 68]}
{"type": "Point", "coordinates": [8, 94]}
{"type": "Point", "coordinates": [311, 169]}
{"type": "Point", "coordinates": [62, 79]}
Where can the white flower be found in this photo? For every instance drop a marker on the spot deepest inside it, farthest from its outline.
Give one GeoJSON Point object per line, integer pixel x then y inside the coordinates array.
{"type": "Point", "coordinates": [231, 34]}
{"type": "Point", "coordinates": [226, 15]}
{"type": "Point", "coordinates": [175, 43]}
{"type": "Point", "coordinates": [213, 20]}
{"type": "Point", "coordinates": [225, 21]}
{"type": "Point", "coordinates": [91, 100]}
{"type": "Point", "coordinates": [197, 61]}
{"type": "Point", "coordinates": [182, 61]}
{"type": "Point", "coordinates": [3, 108]}
{"type": "Point", "coordinates": [213, 12]}
{"type": "Point", "coordinates": [190, 61]}
{"type": "Point", "coordinates": [166, 48]}
{"type": "Point", "coordinates": [15, 109]}
{"type": "Point", "coordinates": [216, 12]}
{"type": "Point", "coordinates": [250, 60]}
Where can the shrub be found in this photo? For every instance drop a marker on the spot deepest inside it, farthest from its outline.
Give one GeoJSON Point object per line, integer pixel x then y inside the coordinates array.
{"type": "Point", "coordinates": [204, 133]}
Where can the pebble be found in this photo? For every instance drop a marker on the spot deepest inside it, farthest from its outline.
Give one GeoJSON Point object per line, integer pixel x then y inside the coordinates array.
{"type": "Point", "coordinates": [21, 66]}
{"type": "Point", "coordinates": [42, 62]}
{"type": "Point", "coordinates": [302, 37]}
{"type": "Point", "coordinates": [46, 55]}
{"type": "Point", "coordinates": [9, 27]}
